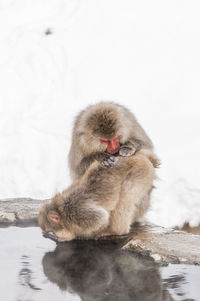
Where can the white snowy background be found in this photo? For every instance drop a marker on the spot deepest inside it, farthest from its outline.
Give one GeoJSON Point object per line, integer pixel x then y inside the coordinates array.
{"type": "Point", "coordinates": [142, 54]}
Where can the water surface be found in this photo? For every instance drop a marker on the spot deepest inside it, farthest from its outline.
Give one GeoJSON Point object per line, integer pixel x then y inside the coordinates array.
{"type": "Point", "coordinates": [33, 268]}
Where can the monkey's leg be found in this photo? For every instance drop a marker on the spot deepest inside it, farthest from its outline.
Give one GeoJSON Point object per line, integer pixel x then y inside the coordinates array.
{"type": "Point", "coordinates": [85, 220]}
{"type": "Point", "coordinates": [133, 202]}
{"type": "Point", "coordinates": [90, 220]}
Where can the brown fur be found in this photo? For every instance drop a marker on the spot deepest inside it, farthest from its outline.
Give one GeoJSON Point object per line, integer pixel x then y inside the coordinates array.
{"type": "Point", "coordinates": [105, 121]}
{"type": "Point", "coordinates": [102, 200]}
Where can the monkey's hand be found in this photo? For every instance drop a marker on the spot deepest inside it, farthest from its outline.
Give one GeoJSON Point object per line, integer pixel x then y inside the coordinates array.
{"type": "Point", "coordinates": [126, 151]}
{"type": "Point", "coordinates": [107, 160]}
{"type": "Point", "coordinates": [129, 148]}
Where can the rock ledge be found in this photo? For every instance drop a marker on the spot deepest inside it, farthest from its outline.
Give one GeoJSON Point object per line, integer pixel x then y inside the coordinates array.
{"type": "Point", "coordinates": [163, 245]}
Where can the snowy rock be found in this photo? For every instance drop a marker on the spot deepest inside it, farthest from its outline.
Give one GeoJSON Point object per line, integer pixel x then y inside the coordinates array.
{"type": "Point", "coordinates": [165, 245]}
{"type": "Point", "coordinates": [21, 211]}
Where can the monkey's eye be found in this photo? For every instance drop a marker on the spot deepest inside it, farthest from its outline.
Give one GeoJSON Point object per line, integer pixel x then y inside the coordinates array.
{"type": "Point", "coordinates": [104, 141]}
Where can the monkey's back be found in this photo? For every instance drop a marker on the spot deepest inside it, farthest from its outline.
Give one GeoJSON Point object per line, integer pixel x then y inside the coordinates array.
{"type": "Point", "coordinates": [104, 184]}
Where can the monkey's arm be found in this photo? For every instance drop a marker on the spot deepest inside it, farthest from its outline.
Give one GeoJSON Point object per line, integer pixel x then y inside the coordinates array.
{"type": "Point", "coordinates": [130, 147]}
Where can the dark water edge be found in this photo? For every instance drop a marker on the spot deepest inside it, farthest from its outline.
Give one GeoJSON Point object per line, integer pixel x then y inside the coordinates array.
{"type": "Point", "coordinates": [33, 268]}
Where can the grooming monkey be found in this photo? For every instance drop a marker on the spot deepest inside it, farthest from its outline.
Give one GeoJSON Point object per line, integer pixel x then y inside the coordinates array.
{"type": "Point", "coordinates": [103, 201]}
{"type": "Point", "coordinates": [112, 162]}
{"type": "Point", "coordinates": [102, 132]}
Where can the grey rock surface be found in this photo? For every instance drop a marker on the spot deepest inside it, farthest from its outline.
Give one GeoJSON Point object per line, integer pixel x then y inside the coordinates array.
{"type": "Point", "coordinates": [163, 245]}
{"type": "Point", "coordinates": [19, 211]}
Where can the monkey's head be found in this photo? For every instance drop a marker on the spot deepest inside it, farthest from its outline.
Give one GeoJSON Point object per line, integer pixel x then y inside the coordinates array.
{"type": "Point", "coordinates": [103, 125]}
{"type": "Point", "coordinates": [51, 220]}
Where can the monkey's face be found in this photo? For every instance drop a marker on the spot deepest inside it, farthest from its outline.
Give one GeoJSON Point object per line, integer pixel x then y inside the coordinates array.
{"type": "Point", "coordinates": [112, 145]}
{"type": "Point", "coordinates": [103, 126]}
{"type": "Point", "coordinates": [50, 220]}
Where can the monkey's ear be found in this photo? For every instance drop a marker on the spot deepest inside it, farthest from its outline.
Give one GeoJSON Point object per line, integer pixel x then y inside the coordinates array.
{"type": "Point", "coordinates": [53, 216]}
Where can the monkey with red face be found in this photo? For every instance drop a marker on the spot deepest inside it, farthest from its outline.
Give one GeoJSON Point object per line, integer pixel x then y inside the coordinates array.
{"type": "Point", "coordinates": [102, 132]}
{"type": "Point", "coordinates": [113, 166]}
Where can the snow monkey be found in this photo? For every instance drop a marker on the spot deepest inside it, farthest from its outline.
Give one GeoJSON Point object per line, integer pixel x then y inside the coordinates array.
{"type": "Point", "coordinates": [102, 132]}
{"type": "Point", "coordinates": [103, 201]}
{"type": "Point", "coordinates": [113, 166]}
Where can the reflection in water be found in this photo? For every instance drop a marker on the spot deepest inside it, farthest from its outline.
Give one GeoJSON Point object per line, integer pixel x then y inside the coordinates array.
{"type": "Point", "coordinates": [25, 274]}
{"type": "Point", "coordinates": [89, 269]}
{"type": "Point", "coordinates": [175, 282]}
{"type": "Point", "coordinates": [182, 281]}
{"type": "Point", "coordinates": [100, 271]}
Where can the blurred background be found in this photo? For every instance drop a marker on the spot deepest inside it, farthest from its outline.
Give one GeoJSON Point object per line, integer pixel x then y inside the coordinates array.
{"type": "Point", "coordinates": [58, 56]}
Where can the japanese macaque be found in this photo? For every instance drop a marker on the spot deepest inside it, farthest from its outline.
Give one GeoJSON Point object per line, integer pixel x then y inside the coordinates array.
{"type": "Point", "coordinates": [113, 166]}
{"type": "Point", "coordinates": [102, 132]}
{"type": "Point", "coordinates": [103, 201]}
